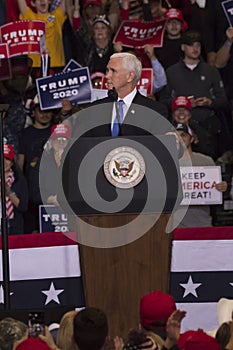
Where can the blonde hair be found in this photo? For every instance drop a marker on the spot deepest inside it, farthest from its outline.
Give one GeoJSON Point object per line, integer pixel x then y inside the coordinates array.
{"type": "Point", "coordinates": [65, 339]}
{"type": "Point", "coordinates": [158, 342]}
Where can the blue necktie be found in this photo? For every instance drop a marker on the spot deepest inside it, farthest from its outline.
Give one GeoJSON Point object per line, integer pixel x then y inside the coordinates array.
{"type": "Point", "coordinates": [118, 119]}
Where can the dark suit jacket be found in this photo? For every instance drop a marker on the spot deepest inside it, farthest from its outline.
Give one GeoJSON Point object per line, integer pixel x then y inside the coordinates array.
{"type": "Point", "coordinates": [144, 116]}
{"type": "Point", "coordinates": [94, 123]}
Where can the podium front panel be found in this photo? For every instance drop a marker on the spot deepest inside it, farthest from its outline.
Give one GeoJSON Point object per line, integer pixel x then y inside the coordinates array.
{"type": "Point", "coordinates": [161, 183]}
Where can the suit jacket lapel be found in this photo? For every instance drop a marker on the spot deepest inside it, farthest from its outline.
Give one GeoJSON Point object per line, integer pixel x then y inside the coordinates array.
{"type": "Point", "coordinates": [132, 111]}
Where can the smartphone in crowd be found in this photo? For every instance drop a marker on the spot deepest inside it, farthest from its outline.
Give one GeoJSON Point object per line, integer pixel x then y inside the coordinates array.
{"type": "Point", "coordinates": [36, 324]}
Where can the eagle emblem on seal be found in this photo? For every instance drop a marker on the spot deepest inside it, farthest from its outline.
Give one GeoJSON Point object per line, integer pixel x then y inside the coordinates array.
{"type": "Point", "coordinates": [124, 167]}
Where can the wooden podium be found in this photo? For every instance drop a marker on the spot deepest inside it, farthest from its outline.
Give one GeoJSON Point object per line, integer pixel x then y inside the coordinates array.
{"type": "Point", "coordinates": [115, 279]}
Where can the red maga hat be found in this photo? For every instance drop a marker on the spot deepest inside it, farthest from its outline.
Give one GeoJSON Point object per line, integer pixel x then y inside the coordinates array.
{"type": "Point", "coordinates": [9, 152]}
{"type": "Point", "coordinates": [156, 307]}
{"type": "Point", "coordinates": [60, 130]}
{"type": "Point", "coordinates": [181, 101]}
{"type": "Point", "coordinates": [197, 340]}
{"type": "Point", "coordinates": [174, 13]}
{"type": "Point", "coordinates": [33, 343]}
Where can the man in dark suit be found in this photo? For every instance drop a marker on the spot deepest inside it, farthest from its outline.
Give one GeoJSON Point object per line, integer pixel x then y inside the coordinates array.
{"type": "Point", "coordinates": [141, 115]}
{"type": "Point", "coordinates": [94, 140]}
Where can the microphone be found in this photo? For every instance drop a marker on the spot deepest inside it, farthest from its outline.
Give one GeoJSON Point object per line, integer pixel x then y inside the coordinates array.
{"type": "Point", "coordinates": [113, 95]}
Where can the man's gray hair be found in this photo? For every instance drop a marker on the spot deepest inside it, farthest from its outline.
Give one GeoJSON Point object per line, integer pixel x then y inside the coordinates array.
{"type": "Point", "coordinates": [130, 62]}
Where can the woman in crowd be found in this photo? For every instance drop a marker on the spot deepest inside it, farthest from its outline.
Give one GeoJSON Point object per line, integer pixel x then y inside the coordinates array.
{"type": "Point", "coordinates": [51, 161]}
{"type": "Point", "coordinates": [65, 339]}
{"type": "Point", "coordinates": [16, 192]}
{"type": "Point", "coordinates": [101, 47]}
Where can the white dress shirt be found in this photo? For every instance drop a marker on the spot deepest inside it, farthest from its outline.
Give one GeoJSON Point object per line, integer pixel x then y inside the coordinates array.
{"type": "Point", "coordinates": [127, 103]}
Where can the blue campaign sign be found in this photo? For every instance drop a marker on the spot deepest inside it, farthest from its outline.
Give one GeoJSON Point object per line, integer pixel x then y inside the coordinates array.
{"type": "Point", "coordinates": [73, 85]}
{"type": "Point", "coordinates": [71, 65]}
{"type": "Point", "coordinates": [52, 219]}
{"type": "Point", "coordinates": [228, 9]}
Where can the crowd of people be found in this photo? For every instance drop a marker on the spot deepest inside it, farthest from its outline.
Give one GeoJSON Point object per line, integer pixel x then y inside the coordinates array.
{"type": "Point", "coordinates": [191, 66]}
{"type": "Point", "coordinates": [88, 329]}
{"type": "Point", "coordinates": [191, 89]}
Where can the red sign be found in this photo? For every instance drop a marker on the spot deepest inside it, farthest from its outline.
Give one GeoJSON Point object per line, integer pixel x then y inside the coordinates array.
{"type": "Point", "coordinates": [5, 69]}
{"type": "Point", "coordinates": [22, 37]}
{"type": "Point", "coordinates": [3, 51]}
{"type": "Point", "coordinates": [145, 82]}
{"type": "Point", "coordinates": [139, 33]}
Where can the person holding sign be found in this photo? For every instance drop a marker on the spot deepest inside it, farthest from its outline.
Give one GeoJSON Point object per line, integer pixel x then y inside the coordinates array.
{"type": "Point", "coordinates": [159, 76]}
{"type": "Point", "coordinates": [224, 59]}
{"type": "Point", "coordinates": [54, 22]}
{"type": "Point", "coordinates": [215, 24]}
{"type": "Point", "coordinates": [196, 215]}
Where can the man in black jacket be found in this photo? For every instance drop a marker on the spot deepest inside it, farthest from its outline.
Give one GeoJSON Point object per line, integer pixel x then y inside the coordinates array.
{"type": "Point", "coordinates": [141, 115]}
{"type": "Point", "coordinates": [141, 118]}
{"type": "Point", "coordinates": [201, 83]}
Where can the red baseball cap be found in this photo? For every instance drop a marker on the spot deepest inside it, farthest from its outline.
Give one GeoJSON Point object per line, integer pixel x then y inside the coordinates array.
{"type": "Point", "coordinates": [95, 75]}
{"type": "Point", "coordinates": [181, 101]}
{"type": "Point", "coordinates": [92, 3]}
{"type": "Point", "coordinates": [156, 307]}
{"type": "Point", "coordinates": [9, 152]}
{"type": "Point", "coordinates": [174, 13]}
{"type": "Point", "coordinates": [197, 340]}
{"type": "Point", "coordinates": [33, 343]}
{"type": "Point", "coordinates": [60, 130]}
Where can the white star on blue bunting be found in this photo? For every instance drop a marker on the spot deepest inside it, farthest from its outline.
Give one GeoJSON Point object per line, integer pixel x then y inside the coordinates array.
{"type": "Point", "coordinates": [52, 294]}
{"type": "Point", "coordinates": [190, 287]}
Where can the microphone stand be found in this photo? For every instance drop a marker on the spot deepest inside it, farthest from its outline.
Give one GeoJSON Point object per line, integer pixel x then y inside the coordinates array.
{"type": "Point", "coordinates": [4, 226]}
